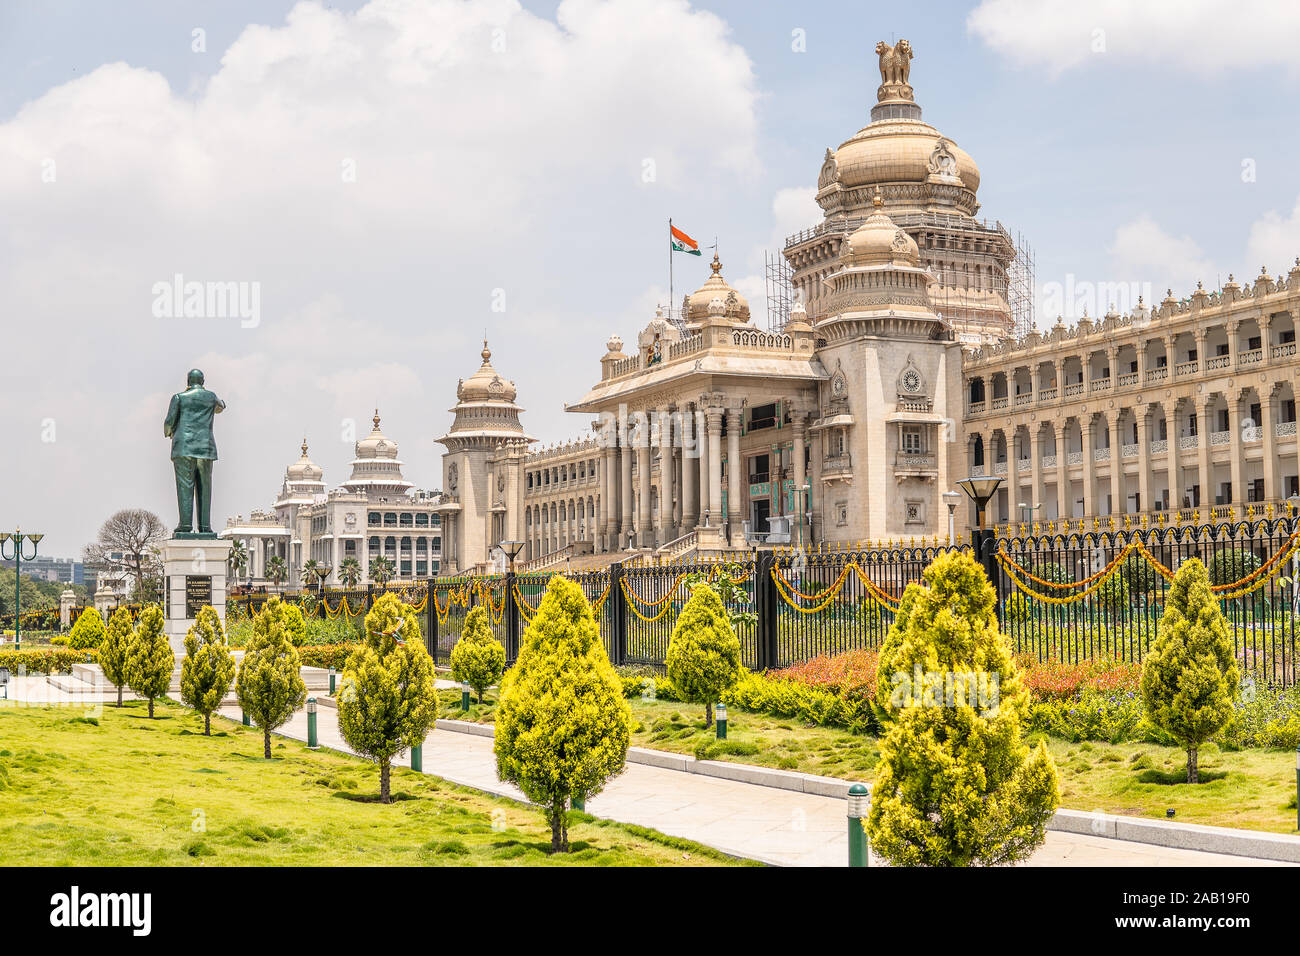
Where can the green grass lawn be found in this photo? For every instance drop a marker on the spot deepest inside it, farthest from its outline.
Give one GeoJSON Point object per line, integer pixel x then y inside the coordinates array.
{"type": "Point", "coordinates": [1254, 789]}
{"type": "Point", "coordinates": [124, 790]}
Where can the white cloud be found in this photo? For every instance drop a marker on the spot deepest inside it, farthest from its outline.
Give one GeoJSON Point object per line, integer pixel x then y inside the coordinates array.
{"type": "Point", "coordinates": [492, 149]}
{"type": "Point", "coordinates": [1201, 36]}
{"type": "Point", "coordinates": [1144, 251]}
{"type": "Point", "coordinates": [1274, 241]}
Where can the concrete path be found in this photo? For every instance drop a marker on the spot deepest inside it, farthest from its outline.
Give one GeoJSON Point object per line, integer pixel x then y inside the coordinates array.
{"type": "Point", "coordinates": [763, 823]}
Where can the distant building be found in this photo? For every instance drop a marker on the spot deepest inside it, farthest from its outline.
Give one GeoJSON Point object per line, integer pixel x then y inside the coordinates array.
{"type": "Point", "coordinates": [56, 570]}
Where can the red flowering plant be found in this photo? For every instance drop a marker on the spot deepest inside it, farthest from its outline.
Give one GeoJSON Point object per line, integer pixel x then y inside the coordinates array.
{"type": "Point", "coordinates": [851, 674]}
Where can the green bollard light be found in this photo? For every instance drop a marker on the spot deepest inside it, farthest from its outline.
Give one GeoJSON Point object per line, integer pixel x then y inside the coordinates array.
{"type": "Point", "coordinates": [312, 742]}
{"type": "Point", "coordinates": [859, 802]}
{"type": "Point", "coordinates": [244, 716]}
{"type": "Point", "coordinates": [417, 758]}
{"type": "Point", "coordinates": [464, 696]}
{"type": "Point", "coordinates": [722, 721]}
{"type": "Point", "coordinates": [1297, 788]}
{"type": "Point", "coordinates": [331, 682]}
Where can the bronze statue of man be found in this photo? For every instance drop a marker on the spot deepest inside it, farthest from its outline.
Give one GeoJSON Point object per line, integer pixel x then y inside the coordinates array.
{"type": "Point", "coordinates": [189, 426]}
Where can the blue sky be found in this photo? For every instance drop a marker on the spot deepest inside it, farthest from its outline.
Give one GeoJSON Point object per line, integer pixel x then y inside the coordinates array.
{"type": "Point", "coordinates": [1115, 139]}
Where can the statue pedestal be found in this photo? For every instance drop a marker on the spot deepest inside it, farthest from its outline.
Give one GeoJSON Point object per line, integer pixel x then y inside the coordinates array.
{"type": "Point", "coordinates": [194, 574]}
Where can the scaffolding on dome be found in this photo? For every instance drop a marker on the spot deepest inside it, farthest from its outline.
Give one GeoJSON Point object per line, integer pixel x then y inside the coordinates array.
{"type": "Point", "coordinates": [1020, 287]}
{"type": "Point", "coordinates": [781, 294]}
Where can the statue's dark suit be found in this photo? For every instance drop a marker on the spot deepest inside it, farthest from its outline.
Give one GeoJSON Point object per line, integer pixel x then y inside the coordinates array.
{"type": "Point", "coordinates": [189, 426]}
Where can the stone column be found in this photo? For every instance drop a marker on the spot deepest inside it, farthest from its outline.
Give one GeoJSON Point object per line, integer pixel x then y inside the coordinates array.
{"type": "Point", "coordinates": [644, 532]}
{"type": "Point", "coordinates": [1173, 468]}
{"type": "Point", "coordinates": [707, 506]}
{"type": "Point", "coordinates": [690, 472]}
{"type": "Point", "coordinates": [667, 531]}
{"type": "Point", "coordinates": [1036, 472]}
{"type": "Point", "coordinates": [1205, 429]}
{"type": "Point", "coordinates": [1144, 457]}
{"type": "Point", "coordinates": [67, 600]}
{"type": "Point", "coordinates": [608, 499]}
{"type": "Point", "coordinates": [1235, 446]}
{"type": "Point", "coordinates": [625, 486]}
{"type": "Point", "coordinates": [715, 466]}
{"type": "Point", "coordinates": [1089, 490]}
{"type": "Point", "coordinates": [1014, 513]}
{"type": "Point", "coordinates": [798, 419]}
{"type": "Point", "coordinates": [735, 472]}
{"type": "Point", "coordinates": [1268, 412]}
{"type": "Point", "coordinates": [1063, 504]}
{"type": "Point", "coordinates": [1116, 463]}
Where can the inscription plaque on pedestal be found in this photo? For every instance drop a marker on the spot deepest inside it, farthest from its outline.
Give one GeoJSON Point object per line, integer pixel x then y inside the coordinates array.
{"type": "Point", "coordinates": [198, 593]}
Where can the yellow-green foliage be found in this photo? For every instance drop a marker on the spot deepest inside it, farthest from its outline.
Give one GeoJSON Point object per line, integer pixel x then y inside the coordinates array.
{"type": "Point", "coordinates": [703, 659]}
{"type": "Point", "coordinates": [269, 685]}
{"type": "Point", "coordinates": [956, 784]}
{"type": "Point", "coordinates": [562, 723]}
{"type": "Point", "coordinates": [1190, 679]}
{"type": "Point", "coordinates": [295, 626]}
{"type": "Point", "coordinates": [208, 667]}
{"type": "Point", "coordinates": [149, 657]}
{"type": "Point", "coordinates": [87, 630]}
{"type": "Point", "coordinates": [113, 648]}
{"type": "Point", "coordinates": [478, 659]}
{"type": "Point", "coordinates": [387, 703]}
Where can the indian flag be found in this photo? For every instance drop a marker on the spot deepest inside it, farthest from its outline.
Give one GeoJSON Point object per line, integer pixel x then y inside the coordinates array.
{"type": "Point", "coordinates": [683, 243]}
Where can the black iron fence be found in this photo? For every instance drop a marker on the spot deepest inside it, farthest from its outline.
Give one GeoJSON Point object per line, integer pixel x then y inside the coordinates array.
{"type": "Point", "coordinates": [1076, 596]}
{"type": "Point", "coordinates": [1063, 597]}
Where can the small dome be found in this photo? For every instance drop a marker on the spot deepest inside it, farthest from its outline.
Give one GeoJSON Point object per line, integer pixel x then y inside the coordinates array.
{"type": "Point", "coordinates": [376, 444]}
{"type": "Point", "coordinates": [879, 240]}
{"type": "Point", "coordinates": [735, 306]}
{"type": "Point", "coordinates": [486, 385]}
{"type": "Point", "coordinates": [615, 343]}
{"type": "Point", "coordinates": [304, 469]}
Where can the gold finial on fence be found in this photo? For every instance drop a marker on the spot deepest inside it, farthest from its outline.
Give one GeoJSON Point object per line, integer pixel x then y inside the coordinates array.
{"type": "Point", "coordinates": [1037, 529]}
{"type": "Point", "coordinates": [1250, 513]}
{"type": "Point", "coordinates": [1268, 510]}
{"type": "Point", "coordinates": [1160, 519]}
{"type": "Point", "coordinates": [1128, 523]}
{"type": "Point", "coordinates": [1111, 523]}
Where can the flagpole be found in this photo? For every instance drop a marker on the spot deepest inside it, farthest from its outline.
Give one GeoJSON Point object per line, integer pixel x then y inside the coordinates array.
{"type": "Point", "coordinates": [670, 268]}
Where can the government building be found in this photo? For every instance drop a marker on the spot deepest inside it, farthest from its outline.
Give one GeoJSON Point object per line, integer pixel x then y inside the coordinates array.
{"type": "Point", "coordinates": [903, 365]}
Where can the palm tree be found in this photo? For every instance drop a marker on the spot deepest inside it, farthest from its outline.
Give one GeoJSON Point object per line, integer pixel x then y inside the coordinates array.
{"type": "Point", "coordinates": [350, 572]}
{"type": "Point", "coordinates": [238, 558]}
{"type": "Point", "coordinates": [381, 570]}
{"type": "Point", "coordinates": [308, 575]}
{"type": "Point", "coordinates": [277, 570]}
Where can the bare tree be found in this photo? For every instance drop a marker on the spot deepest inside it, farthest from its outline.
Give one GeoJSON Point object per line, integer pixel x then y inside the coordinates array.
{"type": "Point", "coordinates": [128, 542]}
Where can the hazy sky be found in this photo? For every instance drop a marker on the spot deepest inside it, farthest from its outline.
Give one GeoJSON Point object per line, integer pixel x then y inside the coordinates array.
{"type": "Point", "coordinates": [394, 178]}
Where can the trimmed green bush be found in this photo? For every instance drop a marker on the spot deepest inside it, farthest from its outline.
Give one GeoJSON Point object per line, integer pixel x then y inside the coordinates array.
{"type": "Point", "coordinates": [703, 659]}
{"type": "Point", "coordinates": [113, 649]}
{"type": "Point", "coordinates": [268, 684]}
{"type": "Point", "coordinates": [1191, 677]}
{"type": "Point", "coordinates": [208, 667]}
{"type": "Point", "coordinates": [87, 631]}
{"type": "Point", "coordinates": [478, 659]}
{"type": "Point", "coordinates": [562, 722]}
{"type": "Point", "coordinates": [956, 785]}
{"type": "Point", "coordinates": [387, 703]}
{"type": "Point", "coordinates": [149, 657]}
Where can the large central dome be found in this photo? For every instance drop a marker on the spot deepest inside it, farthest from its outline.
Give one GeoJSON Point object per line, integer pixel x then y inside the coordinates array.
{"type": "Point", "coordinates": [917, 168]}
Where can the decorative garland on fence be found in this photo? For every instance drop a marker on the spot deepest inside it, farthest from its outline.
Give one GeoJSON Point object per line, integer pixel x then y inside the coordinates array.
{"type": "Point", "coordinates": [824, 598]}
{"type": "Point", "coordinates": [1243, 586]}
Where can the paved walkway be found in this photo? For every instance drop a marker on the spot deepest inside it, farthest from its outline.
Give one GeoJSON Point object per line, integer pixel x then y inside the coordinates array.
{"type": "Point", "coordinates": [743, 819]}
{"type": "Point", "coordinates": [762, 823]}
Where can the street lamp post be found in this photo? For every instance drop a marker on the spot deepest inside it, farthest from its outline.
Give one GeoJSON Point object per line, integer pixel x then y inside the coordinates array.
{"type": "Point", "coordinates": [17, 537]}
{"type": "Point", "coordinates": [952, 499]}
{"type": "Point", "coordinates": [511, 550]}
{"type": "Point", "coordinates": [979, 490]}
{"type": "Point", "coordinates": [322, 572]}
